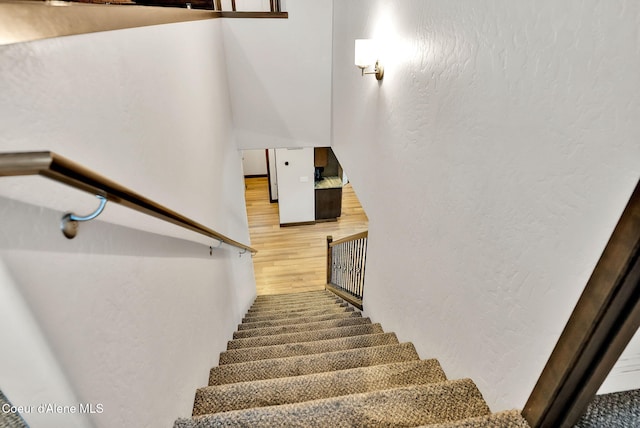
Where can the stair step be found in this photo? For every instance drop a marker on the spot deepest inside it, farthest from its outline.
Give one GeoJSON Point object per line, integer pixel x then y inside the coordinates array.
{"type": "Point", "coordinates": [294, 328]}
{"type": "Point", "coordinates": [305, 336]}
{"type": "Point", "coordinates": [407, 406]}
{"type": "Point", "coordinates": [307, 313]}
{"type": "Point", "coordinates": [285, 310]}
{"type": "Point", "coordinates": [315, 363]}
{"type": "Point", "coordinates": [289, 297]}
{"type": "Point", "coordinates": [298, 320]}
{"type": "Point", "coordinates": [244, 395]}
{"type": "Point", "coordinates": [307, 302]}
{"type": "Point", "coordinates": [506, 419]}
{"type": "Point", "coordinates": [242, 355]}
{"type": "Point", "coordinates": [296, 306]}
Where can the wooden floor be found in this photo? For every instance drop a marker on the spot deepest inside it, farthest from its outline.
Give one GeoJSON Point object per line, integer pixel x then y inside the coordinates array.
{"type": "Point", "coordinates": [293, 259]}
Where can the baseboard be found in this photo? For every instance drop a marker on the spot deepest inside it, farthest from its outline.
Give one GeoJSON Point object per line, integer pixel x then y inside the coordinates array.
{"type": "Point", "coordinates": [326, 220]}
{"type": "Point", "coordinates": [301, 223]}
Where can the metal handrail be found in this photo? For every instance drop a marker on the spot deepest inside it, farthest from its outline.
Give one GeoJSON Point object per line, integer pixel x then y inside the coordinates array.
{"type": "Point", "coordinates": [59, 168]}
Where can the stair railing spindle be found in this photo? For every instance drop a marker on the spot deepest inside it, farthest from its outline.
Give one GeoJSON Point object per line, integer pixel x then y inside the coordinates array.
{"type": "Point", "coordinates": [346, 260]}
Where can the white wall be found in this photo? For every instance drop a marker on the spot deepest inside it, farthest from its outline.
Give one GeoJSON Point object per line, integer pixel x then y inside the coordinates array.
{"type": "Point", "coordinates": [625, 375]}
{"type": "Point", "coordinates": [134, 311]}
{"type": "Point", "coordinates": [254, 162]}
{"type": "Point", "coordinates": [280, 77]}
{"type": "Point", "coordinates": [493, 162]}
{"type": "Point", "coordinates": [29, 370]}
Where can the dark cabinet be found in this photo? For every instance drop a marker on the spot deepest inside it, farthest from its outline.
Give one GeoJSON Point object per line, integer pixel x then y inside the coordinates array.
{"type": "Point", "coordinates": [328, 184]}
{"type": "Point", "coordinates": [328, 203]}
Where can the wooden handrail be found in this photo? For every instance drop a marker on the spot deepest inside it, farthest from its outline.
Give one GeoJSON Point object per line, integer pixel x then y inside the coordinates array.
{"type": "Point", "coordinates": [63, 170]}
{"type": "Point", "coordinates": [353, 237]}
{"type": "Point", "coordinates": [603, 322]}
{"type": "Point", "coordinates": [23, 21]}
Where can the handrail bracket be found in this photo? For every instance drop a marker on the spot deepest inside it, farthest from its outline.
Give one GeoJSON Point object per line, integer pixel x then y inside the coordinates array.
{"type": "Point", "coordinates": [70, 221]}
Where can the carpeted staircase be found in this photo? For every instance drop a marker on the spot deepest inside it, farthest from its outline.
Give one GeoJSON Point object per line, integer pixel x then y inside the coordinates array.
{"type": "Point", "coordinates": [310, 360]}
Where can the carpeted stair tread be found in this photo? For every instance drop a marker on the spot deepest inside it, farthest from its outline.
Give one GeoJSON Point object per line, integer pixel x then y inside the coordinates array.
{"type": "Point", "coordinates": [298, 320]}
{"type": "Point", "coordinates": [407, 406]}
{"type": "Point", "coordinates": [305, 336]}
{"type": "Point", "coordinates": [305, 302]}
{"type": "Point", "coordinates": [294, 308]}
{"type": "Point", "coordinates": [9, 419]}
{"type": "Point", "coordinates": [314, 307]}
{"type": "Point", "coordinates": [234, 356]}
{"type": "Point", "coordinates": [244, 395]}
{"type": "Point", "coordinates": [613, 410]}
{"type": "Point", "coordinates": [307, 313]}
{"type": "Point", "coordinates": [314, 363]}
{"type": "Point", "coordinates": [294, 297]}
{"type": "Point", "coordinates": [310, 360]}
{"type": "Point", "coordinates": [294, 328]}
{"type": "Point", "coordinates": [506, 419]}
{"type": "Point", "coordinates": [293, 293]}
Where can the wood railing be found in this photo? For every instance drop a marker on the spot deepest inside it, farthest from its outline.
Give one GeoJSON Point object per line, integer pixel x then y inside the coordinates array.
{"type": "Point", "coordinates": [603, 322]}
{"type": "Point", "coordinates": [216, 5]}
{"type": "Point", "coordinates": [346, 261]}
{"type": "Point", "coordinates": [274, 5]}
{"type": "Point", "coordinates": [24, 21]}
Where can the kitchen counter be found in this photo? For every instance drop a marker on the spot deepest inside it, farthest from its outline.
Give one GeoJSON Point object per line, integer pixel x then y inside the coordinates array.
{"type": "Point", "coordinates": [329, 183]}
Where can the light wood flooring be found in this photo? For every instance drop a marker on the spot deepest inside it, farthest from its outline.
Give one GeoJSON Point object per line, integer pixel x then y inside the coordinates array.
{"type": "Point", "coordinates": [293, 258]}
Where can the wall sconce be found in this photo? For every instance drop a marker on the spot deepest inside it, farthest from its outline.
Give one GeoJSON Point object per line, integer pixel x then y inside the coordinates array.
{"type": "Point", "coordinates": [366, 56]}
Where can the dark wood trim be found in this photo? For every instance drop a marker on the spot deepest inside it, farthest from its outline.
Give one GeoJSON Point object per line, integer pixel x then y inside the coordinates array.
{"type": "Point", "coordinates": [329, 257]}
{"type": "Point", "coordinates": [256, 176]}
{"type": "Point", "coordinates": [183, 4]}
{"type": "Point", "coordinates": [344, 295]}
{"type": "Point", "coordinates": [266, 153]}
{"type": "Point", "coordinates": [603, 322]}
{"type": "Point", "coordinates": [326, 220]}
{"type": "Point", "coordinates": [300, 223]}
{"type": "Point", "coordinates": [35, 20]}
{"type": "Point", "coordinates": [276, 15]}
{"type": "Point", "coordinates": [353, 237]}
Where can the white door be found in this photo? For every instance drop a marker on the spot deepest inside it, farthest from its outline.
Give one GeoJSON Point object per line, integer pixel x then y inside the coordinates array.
{"type": "Point", "coordinates": [296, 198]}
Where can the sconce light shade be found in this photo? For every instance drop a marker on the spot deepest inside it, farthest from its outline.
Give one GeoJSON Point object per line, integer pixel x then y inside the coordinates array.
{"type": "Point", "coordinates": [366, 56]}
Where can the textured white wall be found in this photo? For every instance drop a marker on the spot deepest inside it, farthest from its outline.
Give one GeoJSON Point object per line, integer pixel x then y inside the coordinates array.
{"type": "Point", "coordinates": [280, 77]}
{"type": "Point", "coordinates": [29, 371]}
{"type": "Point", "coordinates": [493, 162]}
{"type": "Point", "coordinates": [135, 311]}
{"type": "Point", "coordinates": [254, 162]}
